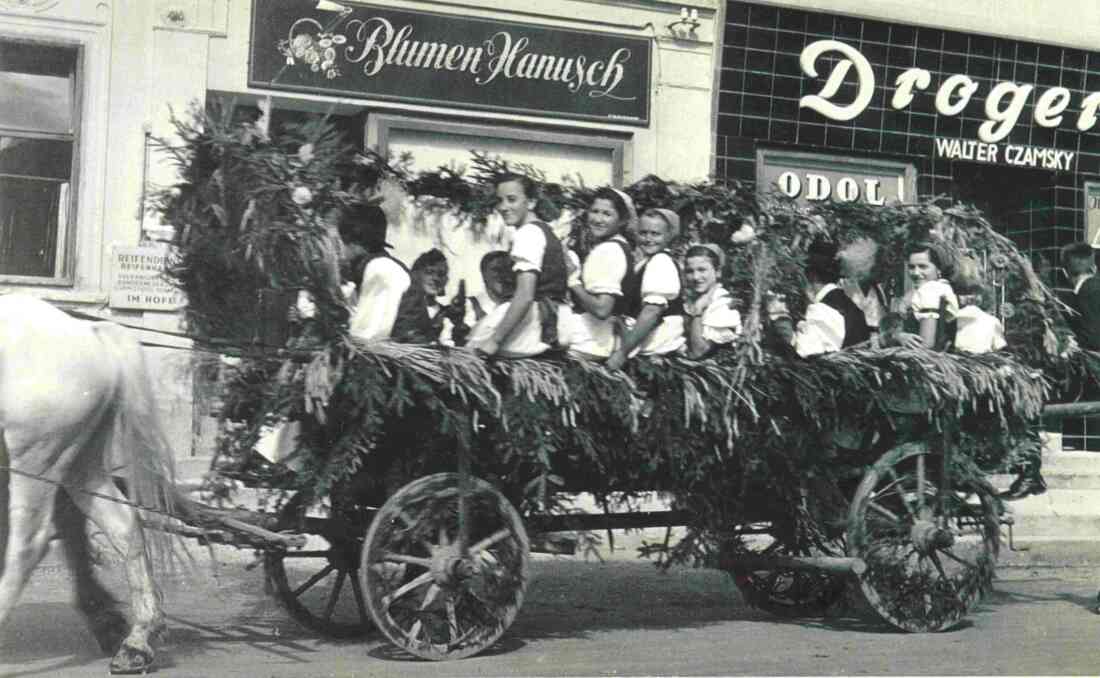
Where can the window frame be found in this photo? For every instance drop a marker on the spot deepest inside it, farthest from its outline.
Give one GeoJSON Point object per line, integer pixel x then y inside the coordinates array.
{"type": "Point", "coordinates": [65, 257]}
{"type": "Point", "coordinates": [379, 126]}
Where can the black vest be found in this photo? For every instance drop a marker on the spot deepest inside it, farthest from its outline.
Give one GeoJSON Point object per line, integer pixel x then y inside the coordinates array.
{"type": "Point", "coordinates": [632, 291]}
{"type": "Point", "coordinates": [627, 281]}
{"type": "Point", "coordinates": [413, 324]}
{"type": "Point", "coordinates": [552, 287]}
{"type": "Point", "coordinates": [855, 323]}
{"type": "Point", "coordinates": [553, 274]}
{"type": "Point", "coordinates": [946, 328]}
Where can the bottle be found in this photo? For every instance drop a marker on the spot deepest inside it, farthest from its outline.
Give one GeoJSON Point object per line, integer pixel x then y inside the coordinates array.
{"type": "Point", "coordinates": [457, 313]}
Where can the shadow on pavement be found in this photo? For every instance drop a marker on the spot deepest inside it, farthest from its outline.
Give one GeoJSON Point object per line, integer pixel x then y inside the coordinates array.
{"type": "Point", "coordinates": [43, 632]}
{"type": "Point", "coordinates": [387, 652]}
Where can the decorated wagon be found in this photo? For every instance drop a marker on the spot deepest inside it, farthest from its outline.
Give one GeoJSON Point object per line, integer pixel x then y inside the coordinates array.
{"type": "Point", "coordinates": [421, 477]}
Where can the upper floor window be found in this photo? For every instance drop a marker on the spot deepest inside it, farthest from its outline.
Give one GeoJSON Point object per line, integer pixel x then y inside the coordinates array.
{"type": "Point", "coordinates": [39, 128]}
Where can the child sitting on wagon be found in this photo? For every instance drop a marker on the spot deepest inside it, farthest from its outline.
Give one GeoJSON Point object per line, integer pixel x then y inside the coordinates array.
{"type": "Point", "coordinates": [928, 314]}
{"type": "Point", "coordinates": [653, 313]}
{"type": "Point", "coordinates": [597, 286]}
{"type": "Point", "coordinates": [833, 321]}
{"type": "Point", "coordinates": [978, 330]}
{"type": "Point", "coordinates": [384, 283]}
{"type": "Point", "coordinates": [709, 319]}
{"type": "Point", "coordinates": [526, 325]}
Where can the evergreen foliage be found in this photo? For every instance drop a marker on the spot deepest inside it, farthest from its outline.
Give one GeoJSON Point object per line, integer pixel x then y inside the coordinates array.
{"type": "Point", "coordinates": [734, 438]}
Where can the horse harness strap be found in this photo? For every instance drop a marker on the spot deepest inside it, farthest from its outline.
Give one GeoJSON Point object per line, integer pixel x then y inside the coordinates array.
{"type": "Point", "coordinates": [90, 493]}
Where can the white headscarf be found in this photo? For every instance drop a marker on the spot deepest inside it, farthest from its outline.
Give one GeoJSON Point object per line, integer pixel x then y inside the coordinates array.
{"type": "Point", "coordinates": [631, 212]}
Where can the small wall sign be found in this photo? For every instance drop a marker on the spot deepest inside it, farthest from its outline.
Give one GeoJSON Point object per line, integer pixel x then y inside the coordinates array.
{"type": "Point", "coordinates": [820, 177]}
{"type": "Point", "coordinates": [138, 280]}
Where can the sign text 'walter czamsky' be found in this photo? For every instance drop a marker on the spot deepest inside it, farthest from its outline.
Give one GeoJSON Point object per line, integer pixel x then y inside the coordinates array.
{"type": "Point", "coordinates": [449, 60]}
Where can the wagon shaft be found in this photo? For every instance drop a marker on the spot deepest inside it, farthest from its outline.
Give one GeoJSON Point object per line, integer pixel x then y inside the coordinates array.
{"type": "Point", "coordinates": [1067, 410]}
{"type": "Point", "coordinates": [836, 565]}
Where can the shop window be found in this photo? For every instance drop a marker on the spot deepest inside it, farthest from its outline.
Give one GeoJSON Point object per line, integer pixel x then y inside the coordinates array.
{"type": "Point", "coordinates": [39, 128]}
{"type": "Point", "coordinates": [595, 159]}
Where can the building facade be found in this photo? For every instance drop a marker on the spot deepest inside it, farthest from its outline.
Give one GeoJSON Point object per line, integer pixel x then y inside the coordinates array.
{"type": "Point", "coordinates": [992, 103]}
{"type": "Point", "coordinates": [608, 91]}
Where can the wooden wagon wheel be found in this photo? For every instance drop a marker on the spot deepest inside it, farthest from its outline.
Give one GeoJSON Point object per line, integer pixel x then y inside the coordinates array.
{"type": "Point", "coordinates": [319, 585]}
{"type": "Point", "coordinates": [789, 593]}
{"type": "Point", "coordinates": [428, 592]}
{"type": "Point", "coordinates": [930, 555]}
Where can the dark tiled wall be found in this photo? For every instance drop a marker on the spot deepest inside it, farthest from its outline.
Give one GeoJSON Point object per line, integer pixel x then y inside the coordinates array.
{"type": "Point", "coordinates": [761, 84]}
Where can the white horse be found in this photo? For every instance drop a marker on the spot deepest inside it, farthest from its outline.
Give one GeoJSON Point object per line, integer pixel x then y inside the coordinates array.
{"type": "Point", "coordinates": [74, 399]}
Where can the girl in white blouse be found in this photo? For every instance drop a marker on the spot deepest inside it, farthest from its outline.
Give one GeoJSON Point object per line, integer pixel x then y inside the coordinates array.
{"type": "Point", "coordinates": [653, 310]}
{"type": "Point", "coordinates": [535, 319]}
{"type": "Point", "coordinates": [934, 306]}
{"type": "Point", "coordinates": [709, 321]}
{"type": "Point", "coordinates": [597, 287]}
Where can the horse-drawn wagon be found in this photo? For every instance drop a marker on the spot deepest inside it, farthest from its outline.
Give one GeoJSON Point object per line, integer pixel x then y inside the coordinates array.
{"type": "Point", "coordinates": [433, 468]}
{"type": "Point", "coordinates": [420, 478]}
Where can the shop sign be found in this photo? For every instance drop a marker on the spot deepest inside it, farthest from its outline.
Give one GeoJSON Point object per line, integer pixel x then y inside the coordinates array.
{"type": "Point", "coordinates": [816, 177]}
{"type": "Point", "coordinates": [1009, 154]}
{"type": "Point", "coordinates": [1004, 102]}
{"type": "Point", "coordinates": [139, 281]}
{"type": "Point", "coordinates": [427, 58]}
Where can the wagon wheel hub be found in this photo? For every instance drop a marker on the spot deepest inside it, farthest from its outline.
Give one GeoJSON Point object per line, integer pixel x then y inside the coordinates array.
{"type": "Point", "coordinates": [449, 566]}
{"type": "Point", "coordinates": [927, 536]}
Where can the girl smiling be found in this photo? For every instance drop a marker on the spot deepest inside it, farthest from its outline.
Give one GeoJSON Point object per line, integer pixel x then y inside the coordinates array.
{"type": "Point", "coordinates": [653, 310]}
{"type": "Point", "coordinates": [709, 321]}
{"type": "Point", "coordinates": [598, 289]}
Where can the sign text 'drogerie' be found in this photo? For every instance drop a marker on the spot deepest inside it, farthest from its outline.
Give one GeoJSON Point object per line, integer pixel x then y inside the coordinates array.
{"type": "Point", "coordinates": [429, 58]}
{"type": "Point", "coordinates": [1004, 102]}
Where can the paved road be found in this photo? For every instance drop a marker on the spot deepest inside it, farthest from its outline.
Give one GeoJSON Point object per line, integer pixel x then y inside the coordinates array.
{"type": "Point", "coordinates": [588, 618]}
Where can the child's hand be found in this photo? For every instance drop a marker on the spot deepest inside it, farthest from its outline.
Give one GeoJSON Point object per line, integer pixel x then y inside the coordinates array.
{"type": "Point", "coordinates": [616, 361]}
{"type": "Point", "coordinates": [907, 340]}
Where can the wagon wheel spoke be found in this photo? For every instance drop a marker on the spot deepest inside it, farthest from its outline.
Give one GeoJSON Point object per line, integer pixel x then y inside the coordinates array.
{"type": "Point", "coordinates": [489, 541]}
{"type": "Point", "coordinates": [414, 584]}
{"type": "Point", "coordinates": [430, 596]}
{"type": "Point", "coordinates": [309, 583]}
{"type": "Point", "coordinates": [943, 575]}
{"type": "Point", "coordinates": [402, 558]}
{"type": "Point", "coordinates": [359, 601]}
{"type": "Point", "coordinates": [884, 512]}
{"type": "Point", "coordinates": [334, 595]}
{"type": "Point", "coordinates": [307, 554]}
{"type": "Point", "coordinates": [901, 495]}
{"type": "Point", "coordinates": [452, 620]}
{"type": "Point", "coordinates": [920, 485]}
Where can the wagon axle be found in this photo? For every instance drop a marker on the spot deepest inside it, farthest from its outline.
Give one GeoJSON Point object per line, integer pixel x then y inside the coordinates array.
{"type": "Point", "coordinates": [449, 566]}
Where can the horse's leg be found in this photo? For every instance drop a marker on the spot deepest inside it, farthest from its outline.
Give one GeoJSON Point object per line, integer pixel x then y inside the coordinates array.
{"type": "Point", "coordinates": [30, 528]}
{"type": "Point", "coordinates": [121, 525]}
{"type": "Point", "coordinates": [99, 607]}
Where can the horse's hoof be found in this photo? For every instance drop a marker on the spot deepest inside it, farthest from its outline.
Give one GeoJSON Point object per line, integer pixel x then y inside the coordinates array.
{"type": "Point", "coordinates": [129, 661]}
{"type": "Point", "coordinates": [109, 629]}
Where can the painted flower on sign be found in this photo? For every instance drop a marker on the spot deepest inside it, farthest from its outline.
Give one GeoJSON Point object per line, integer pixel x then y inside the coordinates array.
{"type": "Point", "coordinates": [318, 51]}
